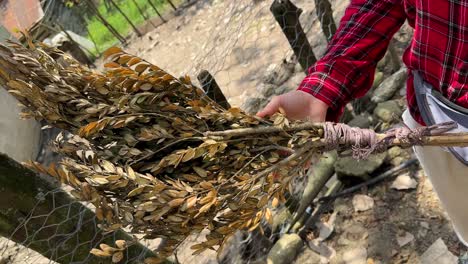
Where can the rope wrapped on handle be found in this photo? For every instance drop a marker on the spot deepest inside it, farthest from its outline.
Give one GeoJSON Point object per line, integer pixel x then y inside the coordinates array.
{"type": "Point", "coordinates": [364, 142]}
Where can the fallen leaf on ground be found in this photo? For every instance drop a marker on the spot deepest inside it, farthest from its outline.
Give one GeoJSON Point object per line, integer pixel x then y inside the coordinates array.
{"type": "Point", "coordinates": [362, 203]}
{"type": "Point", "coordinates": [438, 253]}
{"type": "Point", "coordinates": [404, 182]}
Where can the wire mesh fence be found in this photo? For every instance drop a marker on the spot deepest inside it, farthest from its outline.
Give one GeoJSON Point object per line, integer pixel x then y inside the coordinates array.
{"type": "Point", "coordinates": [251, 50]}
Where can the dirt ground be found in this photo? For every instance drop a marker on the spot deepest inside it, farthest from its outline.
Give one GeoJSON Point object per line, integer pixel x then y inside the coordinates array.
{"type": "Point", "coordinates": [237, 41]}
{"type": "Point", "coordinates": [414, 214]}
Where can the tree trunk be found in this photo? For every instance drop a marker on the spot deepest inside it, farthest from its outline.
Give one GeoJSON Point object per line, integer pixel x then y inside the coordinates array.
{"type": "Point", "coordinates": [156, 10]}
{"type": "Point", "coordinates": [325, 15]}
{"type": "Point", "coordinates": [212, 90]}
{"type": "Point", "coordinates": [142, 13]}
{"type": "Point", "coordinates": [95, 10]}
{"type": "Point", "coordinates": [41, 217]}
{"type": "Point", "coordinates": [287, 15]}
{"type": "Point", "coordinates": [135, 29]}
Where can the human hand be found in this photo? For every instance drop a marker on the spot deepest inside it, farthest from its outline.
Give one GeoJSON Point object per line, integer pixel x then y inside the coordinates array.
{"type": "Point", "coordinates": [297, 105]}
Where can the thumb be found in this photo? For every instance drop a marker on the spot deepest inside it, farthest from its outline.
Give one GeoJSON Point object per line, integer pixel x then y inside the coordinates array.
{"type": "Point", "coordinates": [271, 108]}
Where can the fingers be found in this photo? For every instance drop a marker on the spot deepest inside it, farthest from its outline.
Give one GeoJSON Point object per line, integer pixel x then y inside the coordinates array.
{"type": "Point", "coordinates": [271, 108]}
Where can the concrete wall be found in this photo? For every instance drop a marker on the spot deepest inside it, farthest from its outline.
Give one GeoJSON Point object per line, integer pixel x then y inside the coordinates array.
{"type": "Point", "coordinates": [19, 139]}
{"type": "Point", "coordinates": [19, 14]}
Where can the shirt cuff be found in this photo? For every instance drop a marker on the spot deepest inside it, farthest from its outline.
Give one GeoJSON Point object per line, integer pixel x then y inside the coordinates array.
{"type": "Point", "coordinates": [326, 93]}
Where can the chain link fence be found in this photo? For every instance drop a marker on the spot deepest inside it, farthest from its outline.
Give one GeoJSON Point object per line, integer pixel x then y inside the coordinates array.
{"type": "Point", "coordinates": [249, 50]}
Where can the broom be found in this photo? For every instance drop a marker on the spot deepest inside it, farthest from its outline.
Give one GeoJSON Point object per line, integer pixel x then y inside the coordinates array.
{"type": "Point", "coordinates": [154, 154]}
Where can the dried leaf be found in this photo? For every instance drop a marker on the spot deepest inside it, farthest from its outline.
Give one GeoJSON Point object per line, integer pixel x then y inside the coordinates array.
{"type": "Point", "coordinates": [111, 65]}
{"type": "Point", "coordinates": [176, 202]}
{"type": "Point", "coordinates": [99, 253]}
{"type": "Point", "coordinates": [189, 203]}
{"type": "Point", "coordinates": [121, 244]}
{"type": "Point", "coordinates": [141, 67]}
{"type": "Point", "coordinates": [111, 51]}
{"type": "Point", "coordinates": [131, 173]}
{"type": "Point", "coordinates": [117, 257]}
{"type": "Point", "coordinates": [201, 172]}
{"type": "Point", "coordinates": [136, 191]}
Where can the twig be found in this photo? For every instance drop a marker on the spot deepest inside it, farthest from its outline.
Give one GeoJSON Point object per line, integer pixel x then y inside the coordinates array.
{"type": "Point", "coordinates": [286, 150]}
{"type": "Point", "coordinates": [263, 130]}
{"type": "Point", "coordinates": [285, 161]}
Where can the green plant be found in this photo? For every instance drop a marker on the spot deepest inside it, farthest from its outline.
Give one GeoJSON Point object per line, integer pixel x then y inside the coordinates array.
{"type": "Point", "coordinates": [104, 39]}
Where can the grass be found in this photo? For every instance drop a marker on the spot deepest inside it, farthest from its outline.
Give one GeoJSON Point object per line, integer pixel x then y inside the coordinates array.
{"type": "Point", "coordinates": [101, 35]}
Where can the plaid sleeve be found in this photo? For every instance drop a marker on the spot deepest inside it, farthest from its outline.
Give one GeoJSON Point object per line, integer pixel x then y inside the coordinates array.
{"type": "Point", "coordinates": [347, 69]}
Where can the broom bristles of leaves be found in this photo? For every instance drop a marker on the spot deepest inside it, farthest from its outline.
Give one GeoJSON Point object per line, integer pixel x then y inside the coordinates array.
{"type": "Point", "coordinates": [139, 149]}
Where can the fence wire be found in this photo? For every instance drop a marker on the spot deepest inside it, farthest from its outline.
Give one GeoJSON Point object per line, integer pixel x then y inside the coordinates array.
{"type": "Point", "coordinates": [242, 45]}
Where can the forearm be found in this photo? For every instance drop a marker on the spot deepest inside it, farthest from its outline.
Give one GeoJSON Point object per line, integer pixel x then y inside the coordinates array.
{"type": "Point", "coordinates": [347, 69]}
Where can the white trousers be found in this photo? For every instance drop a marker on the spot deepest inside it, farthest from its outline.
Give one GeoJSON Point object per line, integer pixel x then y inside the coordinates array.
{"type": "Point", "coordinates": [449, 178]}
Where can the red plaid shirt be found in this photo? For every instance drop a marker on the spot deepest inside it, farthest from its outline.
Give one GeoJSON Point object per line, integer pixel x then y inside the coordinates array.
{"type": "Point", "coordinates": [438, 50]}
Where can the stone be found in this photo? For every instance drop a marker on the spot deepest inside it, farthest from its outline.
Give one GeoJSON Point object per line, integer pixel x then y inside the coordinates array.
{"type": "Point", "coordinates": [266, 89]}
{"type": "Point", "coordinates": [350, 167]}
{"type": "Point", "coordinates": [381, 241]}
{"type": "Point", "coordinates": [378, 78]}
{"type": "Point", "coordinates": [381, 65]}
{"type": "Point", "coordinates": [363, 105]}
{"type": "Point", "coordinates": [356, 255]}
{"type": "Point", "coordinates": [362, 203]}
{"type": "Point", "coordinates": [424, 225]}
{"type": "Point", "coordinates": [404, 239]}
{"type": "Point", "coordinates": [254, 104]}
{"type": "Point", "coordinates": [404, 182]}
{"type": "Point", "coordinates": [463, 258]}
{"type": "Point", "coordinates": [398, 161]}
{"type": "Point", "coordinates": [354, 234]}
{"type": "Point", "coordinates": [308, 256]}
{"type": "Point", "coordinates": [298, 68]}
{"type": "Point", "coordinates": [397, 155]}
{"type": "Point", "coordinates": [347, 114]}
{"type": "Point", "coordinates": [231, 251]}
{"type": "Point", "coordinates": [280, 218]}
{"type": "Point", "coordinates": [389, 111]}
{"type": "Point", "coordinates": [326, 253]}
{"type": "Point", "coordinates": [387, 89]}
{"type": "Point", "coordinates": [422, 232]}
{"type": "Point", "coordinates": [438, 253]}
{"type": "Point", "coordinates": [295, 81]}
{"type": "Point", "coordinates": [361, 121]}
{"type": "Point", "coordinates": [279, 74]}
{"type": "Point", "coordinates": [394, 152]}
{"type": "Point", "coordinates": [285, 250]}
{"type": "Point", "coordinates": [281, 90]}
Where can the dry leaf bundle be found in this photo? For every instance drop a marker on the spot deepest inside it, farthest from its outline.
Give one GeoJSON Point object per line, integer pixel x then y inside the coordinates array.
{"type": "Point", "coordinates": [141, 153]}
{"type": "Point", "coordinates": [152, 152]}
